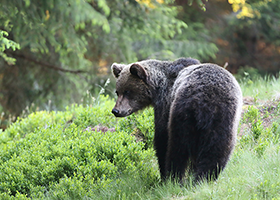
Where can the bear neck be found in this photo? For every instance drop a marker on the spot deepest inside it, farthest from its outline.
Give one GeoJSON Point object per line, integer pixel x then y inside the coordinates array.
{"type": "Point", "coordinates": [161, 93]}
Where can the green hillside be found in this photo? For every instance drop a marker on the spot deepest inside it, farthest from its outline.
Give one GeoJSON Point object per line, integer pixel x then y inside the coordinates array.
{"type": "Point", "coordinates": [86, 153]}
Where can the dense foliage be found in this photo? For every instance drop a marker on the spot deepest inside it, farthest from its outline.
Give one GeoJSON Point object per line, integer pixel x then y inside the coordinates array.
{"type": "Point", "coordinates": [6, 44]}
{"type": "Point", "coordinates": [249, 36]}
{"type": "Point", "coordinates": [63, 154]}
{"type": "Point", "coordinates": [68, 46]}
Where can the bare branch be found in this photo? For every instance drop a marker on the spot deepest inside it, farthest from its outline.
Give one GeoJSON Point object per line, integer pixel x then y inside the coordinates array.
{"type": "Point", "coordinates": [47, 65]}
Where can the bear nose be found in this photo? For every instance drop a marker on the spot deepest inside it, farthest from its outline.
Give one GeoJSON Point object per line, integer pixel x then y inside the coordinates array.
{"type": "Point", "coordinates": [115, 111]}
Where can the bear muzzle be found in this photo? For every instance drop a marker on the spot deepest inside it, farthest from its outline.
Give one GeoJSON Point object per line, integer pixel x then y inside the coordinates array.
{"type": "Point", "coordinates": [118, 113]}
{"type": "Point", "coordinates": [122, 107]}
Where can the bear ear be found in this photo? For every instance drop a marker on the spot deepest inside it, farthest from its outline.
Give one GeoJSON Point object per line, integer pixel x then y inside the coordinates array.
{"type": "Point", "coordinates": [139, 71]}
{"type": "Point", "coordinates": [116, 69]}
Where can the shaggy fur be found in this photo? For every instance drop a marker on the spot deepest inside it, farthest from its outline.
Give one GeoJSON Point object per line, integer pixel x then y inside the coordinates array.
{"type": "Point", "coordinates": [197, 109]}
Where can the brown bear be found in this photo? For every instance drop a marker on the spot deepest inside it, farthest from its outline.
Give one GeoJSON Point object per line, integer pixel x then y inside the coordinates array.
{"type": "Point", "coordinates": [197, 108]}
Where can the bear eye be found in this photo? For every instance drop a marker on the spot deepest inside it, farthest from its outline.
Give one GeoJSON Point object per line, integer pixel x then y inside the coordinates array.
{"type": "Point", "coordinates": [126, 92]}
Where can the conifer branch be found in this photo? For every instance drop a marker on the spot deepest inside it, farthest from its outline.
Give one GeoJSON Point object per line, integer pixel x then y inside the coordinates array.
{"type": "Point", "coordinates": [48, 65]}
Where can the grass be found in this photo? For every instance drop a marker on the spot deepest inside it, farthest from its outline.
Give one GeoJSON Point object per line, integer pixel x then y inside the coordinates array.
{"type": "Point", "coordinates": [262, 88]}
{"type": "Point", "coordinates": [247, 176]}
{"type": "Point", "coordinates": [252, 173]}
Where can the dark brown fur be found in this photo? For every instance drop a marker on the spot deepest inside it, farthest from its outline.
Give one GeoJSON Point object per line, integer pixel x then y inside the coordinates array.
{"type": "Point", "coordinates": [196, 107]}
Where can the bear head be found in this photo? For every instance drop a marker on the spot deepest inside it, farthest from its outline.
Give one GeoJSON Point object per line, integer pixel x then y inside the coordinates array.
{"type": "Point", "coordinates": [132, 88]}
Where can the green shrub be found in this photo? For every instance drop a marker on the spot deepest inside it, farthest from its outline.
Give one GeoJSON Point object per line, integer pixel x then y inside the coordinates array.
{"type": "Point", "coordinates": [140, 125]}
{"type": "Point", "coordinates": [252, 117]}
{"type": "Point", "coordinates": [257, 137]}
{"type": "Point", "coordinates": [52, 153]}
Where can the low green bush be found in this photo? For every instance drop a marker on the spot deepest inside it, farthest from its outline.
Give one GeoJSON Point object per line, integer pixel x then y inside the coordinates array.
{"type": "Point", "coordinates": [60, 154]}
{"type": "Point", "coordinates": [256, 136]}
{"type": "Point", "coordinates": [141, 125]}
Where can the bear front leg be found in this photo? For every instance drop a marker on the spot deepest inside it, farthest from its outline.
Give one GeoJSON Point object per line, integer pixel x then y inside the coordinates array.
{"type": "Point", "coordinates": [160, 143]}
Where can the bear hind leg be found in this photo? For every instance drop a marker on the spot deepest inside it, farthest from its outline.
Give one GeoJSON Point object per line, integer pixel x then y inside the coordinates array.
{"type": "Point", "coordinates": [211, 160]}
{"type": "Point", "coordinates": [180, 143]}
{"type": "Point", "coordinates": [176, 164]}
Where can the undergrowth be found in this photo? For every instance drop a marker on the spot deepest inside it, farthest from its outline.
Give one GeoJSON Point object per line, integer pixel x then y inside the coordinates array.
{"type": "Point", "coordinates": [59, 155]}
{"type": "Point", "coordinates": [86, 153]}
{"type": "Point", "coordinates": [256, 86]}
